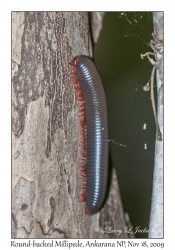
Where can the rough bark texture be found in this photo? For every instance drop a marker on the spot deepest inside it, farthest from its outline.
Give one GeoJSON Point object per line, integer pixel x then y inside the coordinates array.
{"type": "Point", "coordinates": [156, 219]}
{"type": "Point", "coordinates": [45, 136]}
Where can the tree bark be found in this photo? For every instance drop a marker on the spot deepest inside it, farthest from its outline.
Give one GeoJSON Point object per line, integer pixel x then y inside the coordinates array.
{"type": "Point", "coordinates": [156, 219]}
{"type": "Point", "coordinates": [45, 136]}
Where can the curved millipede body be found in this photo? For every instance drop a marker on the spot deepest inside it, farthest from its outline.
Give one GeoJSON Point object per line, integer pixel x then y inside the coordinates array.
{"type": "Point", "coordinates": [93, 115]}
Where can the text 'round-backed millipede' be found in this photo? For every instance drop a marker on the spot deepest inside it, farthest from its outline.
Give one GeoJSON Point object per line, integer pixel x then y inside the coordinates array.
{"type": "Point", "coordinates": [92, 112]}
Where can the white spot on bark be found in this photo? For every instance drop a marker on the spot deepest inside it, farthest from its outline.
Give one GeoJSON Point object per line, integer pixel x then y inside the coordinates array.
{"type": "Point", "coordinates": [17, 32]}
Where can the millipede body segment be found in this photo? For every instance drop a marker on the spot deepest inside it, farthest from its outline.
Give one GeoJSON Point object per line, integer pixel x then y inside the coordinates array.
{"type": "Point", "coordinates": [92, 111]}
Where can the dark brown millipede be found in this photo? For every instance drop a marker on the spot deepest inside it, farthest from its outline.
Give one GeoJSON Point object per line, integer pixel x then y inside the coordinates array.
{"type": "Point", "coordinates": [92, 111]}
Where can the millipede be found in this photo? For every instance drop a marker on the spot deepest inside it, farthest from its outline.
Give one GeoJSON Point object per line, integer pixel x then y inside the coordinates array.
{"type": "Point", "coordinates": [93, 120]}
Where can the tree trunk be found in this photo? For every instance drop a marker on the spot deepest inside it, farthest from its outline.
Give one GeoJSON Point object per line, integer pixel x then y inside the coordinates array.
{"type": "Point", "coordinates": [156, 219]}
{"type": "Point", "coordinates": [45, 136]}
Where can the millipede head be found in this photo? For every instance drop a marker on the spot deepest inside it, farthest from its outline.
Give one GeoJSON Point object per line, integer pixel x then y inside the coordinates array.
{"type": "Point", "coordinates": [74, 61]}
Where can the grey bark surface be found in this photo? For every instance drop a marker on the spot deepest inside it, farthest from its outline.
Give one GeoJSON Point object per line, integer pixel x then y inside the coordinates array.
{"type": "Point", "coordinates": [156, 218]}
{"type": "Point", "coordinates": [45, 132]}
